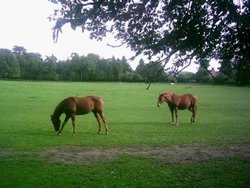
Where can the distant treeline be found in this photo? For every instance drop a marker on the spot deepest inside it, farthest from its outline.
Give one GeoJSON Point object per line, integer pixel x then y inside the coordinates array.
{"type": "Point", "coordinates": [18, 64]}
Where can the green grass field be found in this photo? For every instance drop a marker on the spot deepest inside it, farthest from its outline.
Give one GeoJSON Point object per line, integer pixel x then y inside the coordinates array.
{"type": "Point", "coordinates": [223, 118]}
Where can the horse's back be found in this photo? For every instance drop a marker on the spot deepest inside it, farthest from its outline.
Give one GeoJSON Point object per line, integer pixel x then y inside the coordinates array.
{"type": "Point", "coordinates": [89, 103]}
{"type": "Point", "coordinates": [185, 100]}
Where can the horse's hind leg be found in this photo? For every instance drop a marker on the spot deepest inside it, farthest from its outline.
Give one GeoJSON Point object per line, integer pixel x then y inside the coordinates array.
{"type": "Point", "coordinates": [192, 109]}
{"type": "Point", "coordinates": [104, 121]}
{"type": "Point", "coordinates": [194, 113]}
{"type": "Point", "coordinates": [98, 120]}
{"type": "Point", "coordinates": [192, 118]}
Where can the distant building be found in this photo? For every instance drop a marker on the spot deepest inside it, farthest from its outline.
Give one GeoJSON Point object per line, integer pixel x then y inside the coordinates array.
{"type": "Point", "coordinates": [214, 73]}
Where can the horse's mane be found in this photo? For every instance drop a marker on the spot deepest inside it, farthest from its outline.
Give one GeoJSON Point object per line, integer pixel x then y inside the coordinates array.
{"type": "Point", "coordinates": [58, 110]}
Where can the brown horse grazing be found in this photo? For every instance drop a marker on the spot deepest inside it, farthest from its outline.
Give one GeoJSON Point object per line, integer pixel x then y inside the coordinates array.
{"type": "Point", "coordinates": [176, 102]}
{"type": "Point", "coordinates": [73, 106]}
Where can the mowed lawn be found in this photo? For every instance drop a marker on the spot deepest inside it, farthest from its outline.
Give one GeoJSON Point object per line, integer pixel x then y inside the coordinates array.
{"type": "Point", "coordinates": [134, 120]}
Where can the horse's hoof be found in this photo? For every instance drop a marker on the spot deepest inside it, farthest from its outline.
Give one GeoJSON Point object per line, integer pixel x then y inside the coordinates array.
{"type": "Point", "coordinates": [58, 134]}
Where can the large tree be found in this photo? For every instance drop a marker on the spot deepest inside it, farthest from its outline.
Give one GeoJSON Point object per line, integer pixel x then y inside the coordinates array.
{"type": "Point", "coordinates": [9, 67]}
{"type": "Point", "coordinates": [183, 30]}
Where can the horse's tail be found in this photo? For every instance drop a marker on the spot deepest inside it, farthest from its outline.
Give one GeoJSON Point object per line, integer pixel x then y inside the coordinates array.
{"type": "Point", "coordinates": [194, 101]}
{"type": "Point", "coordinates": [101, 100]}
{"type": "Point", "coordinates": [99, 103]}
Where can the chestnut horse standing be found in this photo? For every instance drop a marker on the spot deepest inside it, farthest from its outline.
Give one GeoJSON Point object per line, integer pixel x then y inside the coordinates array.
{"type": "Point", "coordinates": [73, 106]}
{"type": "Point", "coordinates": [176, 102]}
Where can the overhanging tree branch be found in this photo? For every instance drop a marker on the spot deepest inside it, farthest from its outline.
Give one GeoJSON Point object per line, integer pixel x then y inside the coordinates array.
{"type": "Point", "coordinates": [152, 27]}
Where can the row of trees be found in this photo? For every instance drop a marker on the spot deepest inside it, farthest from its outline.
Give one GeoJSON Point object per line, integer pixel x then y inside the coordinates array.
{"type": "Point", "coordinates": [18, 64]}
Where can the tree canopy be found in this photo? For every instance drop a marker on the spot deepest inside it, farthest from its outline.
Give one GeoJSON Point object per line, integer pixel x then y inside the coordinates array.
{"type": "Point", "coordinates": [185, 31]}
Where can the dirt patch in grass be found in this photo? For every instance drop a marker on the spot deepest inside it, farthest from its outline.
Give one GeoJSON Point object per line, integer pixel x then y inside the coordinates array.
{"type": "Point", "coordinates": [167, 154]}
{"type": "Point", "coordinates": [5, 152]}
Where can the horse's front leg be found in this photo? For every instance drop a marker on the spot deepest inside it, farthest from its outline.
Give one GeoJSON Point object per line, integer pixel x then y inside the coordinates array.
{"type": "Point", "coordinates": [73, 124]}
{"type": "Point", "coordinates": [176, 115]}
{"type": "Point", "coordinates": [64, 123]}
{"type": "Point", "coordinates": [172, 114]}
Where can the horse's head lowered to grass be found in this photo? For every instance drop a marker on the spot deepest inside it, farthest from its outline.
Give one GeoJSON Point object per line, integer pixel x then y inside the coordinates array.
{"type": "Point", "coordinates": [56, 122]}
{"type": "Point", "coordinates": [73, 106]}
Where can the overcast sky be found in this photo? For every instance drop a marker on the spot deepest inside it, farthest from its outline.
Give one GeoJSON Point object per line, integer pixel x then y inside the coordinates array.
{"type": "Point", "coordinates": [25, 23]}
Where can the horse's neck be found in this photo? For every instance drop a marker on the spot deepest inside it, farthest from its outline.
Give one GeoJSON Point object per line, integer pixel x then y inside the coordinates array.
{"type": "Point", "coordinates": [57, 113]}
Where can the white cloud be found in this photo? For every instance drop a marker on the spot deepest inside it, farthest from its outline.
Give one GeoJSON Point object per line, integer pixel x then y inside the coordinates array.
{"type": "Point", "coordinates": [25, 23]}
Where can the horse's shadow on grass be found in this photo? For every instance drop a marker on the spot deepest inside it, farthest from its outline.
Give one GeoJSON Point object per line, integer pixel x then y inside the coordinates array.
{"type": "Point", "coordinates": [137, 123]}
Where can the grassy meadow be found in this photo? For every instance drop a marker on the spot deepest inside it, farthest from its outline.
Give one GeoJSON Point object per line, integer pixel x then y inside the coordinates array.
{"type": "Point", "coordinates": [134, 120]}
